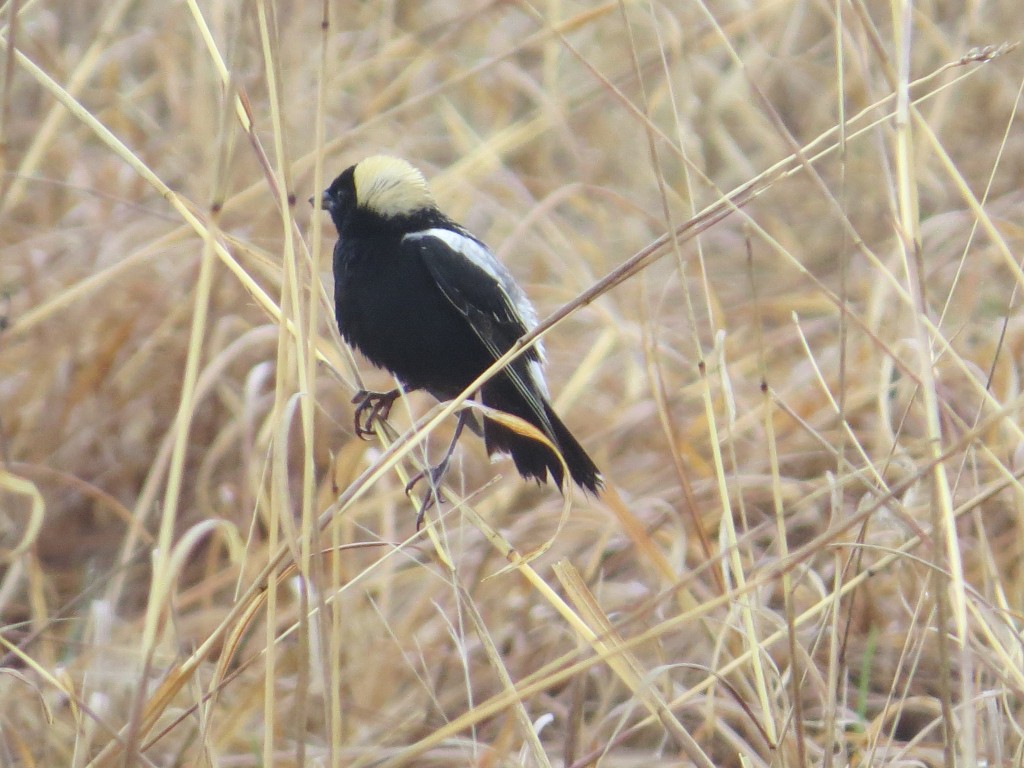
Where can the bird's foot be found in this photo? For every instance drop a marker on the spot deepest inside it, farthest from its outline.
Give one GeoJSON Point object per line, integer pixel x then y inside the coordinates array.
{"type": "Point", "coordinates": [433, 476]}
{"type": "Point", "coordinates": [436, 473]}
{"type": "Point", "coordinates": [379, 406]}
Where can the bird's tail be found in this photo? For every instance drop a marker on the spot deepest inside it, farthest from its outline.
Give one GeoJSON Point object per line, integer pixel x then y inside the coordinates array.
{"type": "Point", "coordinates": [532, 458]}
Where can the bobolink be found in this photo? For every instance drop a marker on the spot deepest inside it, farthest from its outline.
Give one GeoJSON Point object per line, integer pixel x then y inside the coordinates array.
{"type": "Point", "coordinates": [421, 297]}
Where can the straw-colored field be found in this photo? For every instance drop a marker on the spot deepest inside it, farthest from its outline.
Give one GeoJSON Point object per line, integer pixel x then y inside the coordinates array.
{"type": "Point", "coordinates": [807, 404]}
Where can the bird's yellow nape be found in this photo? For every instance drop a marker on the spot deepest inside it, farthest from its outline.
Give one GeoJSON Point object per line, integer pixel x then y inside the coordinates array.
{"type": "Point", "coordinates": [391, 187]}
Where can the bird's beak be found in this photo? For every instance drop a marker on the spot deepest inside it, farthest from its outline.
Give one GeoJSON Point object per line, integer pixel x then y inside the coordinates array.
{"type": "Point", "coordinates": [325, 201]}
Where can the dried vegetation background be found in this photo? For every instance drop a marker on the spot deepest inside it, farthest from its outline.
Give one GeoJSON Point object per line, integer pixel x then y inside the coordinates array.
{"type": "Point", "coordinates": [807, 405]}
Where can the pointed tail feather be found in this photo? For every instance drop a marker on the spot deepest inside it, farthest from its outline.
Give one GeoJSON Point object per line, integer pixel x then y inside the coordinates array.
{"type": "Point", "coordinates": [582, 468]}
{"type": "Point", "coordinates": [532, 458]}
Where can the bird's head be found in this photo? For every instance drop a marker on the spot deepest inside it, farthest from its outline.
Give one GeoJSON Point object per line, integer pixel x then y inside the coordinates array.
{"type": "Point", "coordinates": [380, 186]}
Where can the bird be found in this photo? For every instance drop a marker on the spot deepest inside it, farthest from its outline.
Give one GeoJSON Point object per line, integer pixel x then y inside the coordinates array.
{"type": "Point", "coordinates": [421, 297]}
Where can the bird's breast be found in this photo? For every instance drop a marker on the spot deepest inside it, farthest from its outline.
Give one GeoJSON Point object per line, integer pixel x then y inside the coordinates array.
{"type": "Point", "coordinates": [391, 309]}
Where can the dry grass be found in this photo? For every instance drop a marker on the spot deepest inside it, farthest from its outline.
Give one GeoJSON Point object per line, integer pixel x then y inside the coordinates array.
{"type": "Point", "coordinates": [807, 404]}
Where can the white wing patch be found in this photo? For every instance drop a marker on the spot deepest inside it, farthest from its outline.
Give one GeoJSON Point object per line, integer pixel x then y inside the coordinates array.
{"type": "Point", "coordinates": [484, 259]}
{"type": "Point", "coordinates": [535, 369]}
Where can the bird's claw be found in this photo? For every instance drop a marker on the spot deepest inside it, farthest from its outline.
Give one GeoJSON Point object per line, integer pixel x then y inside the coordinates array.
{"type": "Point", "coordinates": [379, 406]}
{"type": "Point", "coordinates": [433, 475]}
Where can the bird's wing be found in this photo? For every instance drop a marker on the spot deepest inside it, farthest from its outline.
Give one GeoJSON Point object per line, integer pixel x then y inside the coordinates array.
{"type": "Point", "coordinates": [481, 290]}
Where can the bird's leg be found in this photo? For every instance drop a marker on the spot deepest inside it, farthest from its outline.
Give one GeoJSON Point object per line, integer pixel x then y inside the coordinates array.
{"type": "Point", "coordinates": [436, 473]}
{"type": "Point", "coordinates": [379, 406]}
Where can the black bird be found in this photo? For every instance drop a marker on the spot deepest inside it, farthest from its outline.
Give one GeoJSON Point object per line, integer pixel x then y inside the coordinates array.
{"type": "Point", "coordinates": [419, 296]}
